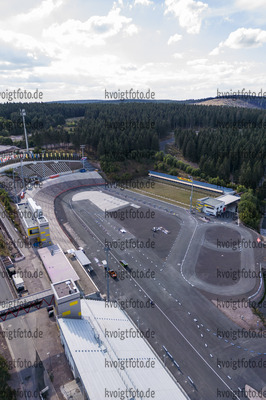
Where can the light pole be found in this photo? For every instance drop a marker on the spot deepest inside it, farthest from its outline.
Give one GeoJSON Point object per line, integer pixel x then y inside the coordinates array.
{"type": "Point", "coordinates": [23, 114]}
{"type": "Point", "coordinates": [106, 249]}
{"type": "Point", "coordinates": [15, 192]}
{"type": "Point", "coordinates": [191, 195]}
{"type": "Point", "coordinates": [82, 146]}
{"type": "Point", "coordinates": [22, 175]}
{"type": "Point", "coordinates": [43, 173]}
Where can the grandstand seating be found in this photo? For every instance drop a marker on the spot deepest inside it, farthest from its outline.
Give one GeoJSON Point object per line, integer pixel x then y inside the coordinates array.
{"type": "Point", "coordinates": [44, 169]}
{"type": "Point", "coordinates": [27, 172]}
{"type": "Point", "coordinates": [60, 167]}
{"type": "Point", "coordinates": [41, 169]}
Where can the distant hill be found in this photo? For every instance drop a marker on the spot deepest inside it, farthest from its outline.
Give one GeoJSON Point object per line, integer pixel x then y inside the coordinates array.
{"type": "Point", "coordinates": [233, 101]}
{"type": "Point", "coordinates": [117, 101]}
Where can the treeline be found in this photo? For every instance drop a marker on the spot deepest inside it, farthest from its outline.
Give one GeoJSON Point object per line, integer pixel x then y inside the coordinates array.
{"type": "Point", "coordinates": [6, 393]}
{"type": "Point", "coordinates": [171, 165]}
{"type": "Point", "coordinates": [39, 116]}
{"type": "Point", "coordinates": [228, 144]}
{"type": "Point", "coordinates": [117, 130]}
{"type": "Point", "coordinates": [225, 142]}
{"type": "Point", "coordinates": [233, 154]}
{"type": "Point", "coordinates": [251, 205]}
{"type": "Point", "coordinates": [199, 116]}
{"type": "Point", "coordinates": [124, 126]}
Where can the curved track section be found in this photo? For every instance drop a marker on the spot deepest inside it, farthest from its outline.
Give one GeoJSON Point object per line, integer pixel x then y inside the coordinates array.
{"type": "Point", "coordinates": [183, 261]}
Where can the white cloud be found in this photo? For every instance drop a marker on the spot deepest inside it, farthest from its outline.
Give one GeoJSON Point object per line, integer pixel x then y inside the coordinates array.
{"type": "Point", "coordinates": [178, 56]}
{"type": "Point", "coordinates": [76, 51]}
{"type": "Point", "coordinates": [215, 51]}
{"type": "Point", "coordinates": [250, 5]}
{"type": "Point", "coordinates": [92, 32]}
{"type": "Point", "coordinates": [188, 12]}
{"type": "Point", "coordinates": [173, 39]}
{"type": "Point", "coordinates": [197, 62]}
{"type": "Point", "coordinates": [131, 29]}
{"type": "Point", "coordinates": [242, 38]}
{"type": "Point", "coordinates": [143, 2]}
{"type": "Point", "coordinates": [38, 13]}
{"type": "Point", "coordinates": [29, 45]}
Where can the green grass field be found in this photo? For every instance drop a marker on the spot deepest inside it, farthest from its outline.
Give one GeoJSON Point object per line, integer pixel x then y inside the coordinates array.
{"type": "Point", "coordinates": [173, 193]}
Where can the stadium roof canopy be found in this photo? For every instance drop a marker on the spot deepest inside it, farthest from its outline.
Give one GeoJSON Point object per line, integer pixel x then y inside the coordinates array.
{"type": "Point", "coordinates": [56, 264]}
{"type": "Point", "coordinates": [188, 182]}
{"type": "Point", "coordinates": [98, 349]}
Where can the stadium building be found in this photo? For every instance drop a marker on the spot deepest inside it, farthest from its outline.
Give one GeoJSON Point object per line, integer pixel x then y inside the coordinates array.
{"type": "Point", "coordinates": [185, 182]}
{"type": "Point", "coordinates": [209, 205]}
{"type": "Point", "coordinates": [35, 224]}
{"type": "Point", "coordinates": [219, 205]}
{"type": "Point", "coordinates": [109, 357]}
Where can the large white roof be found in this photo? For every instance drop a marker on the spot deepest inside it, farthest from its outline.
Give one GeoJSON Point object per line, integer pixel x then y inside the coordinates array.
{"type": "Point", "coordinates": [104, 201]}
{"type": "Point", "coordinates": [93, 350]}
{"type": "Point", "coordinates": [228, 199]}
{"type": "Point", "coordinates": [56, 264]}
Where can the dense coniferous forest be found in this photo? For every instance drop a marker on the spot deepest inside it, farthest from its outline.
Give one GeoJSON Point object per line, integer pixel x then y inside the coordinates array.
{"type": "Point", "coordinates": [39, 116]}
{"type": "Point", "coordinates": [233, 154]}
{"type": "Point", "coordinates": [225, 142]}
{"type": "Point", "coordinates": [226, 145]}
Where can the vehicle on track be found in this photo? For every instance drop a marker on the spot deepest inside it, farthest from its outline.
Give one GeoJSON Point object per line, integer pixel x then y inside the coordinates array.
{"type": "Point", "coordinates": [112, 273]}
{"type": "Point", "coordinates": [123, 263]}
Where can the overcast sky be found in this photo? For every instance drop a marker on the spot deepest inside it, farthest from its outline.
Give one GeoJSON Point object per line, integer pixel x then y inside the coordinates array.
{"type": "Point", "coordinates": [180, 49]}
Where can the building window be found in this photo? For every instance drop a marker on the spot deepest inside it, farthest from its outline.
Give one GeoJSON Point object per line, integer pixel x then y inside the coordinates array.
{"type": "Point", "coordinates": [33, 231]}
